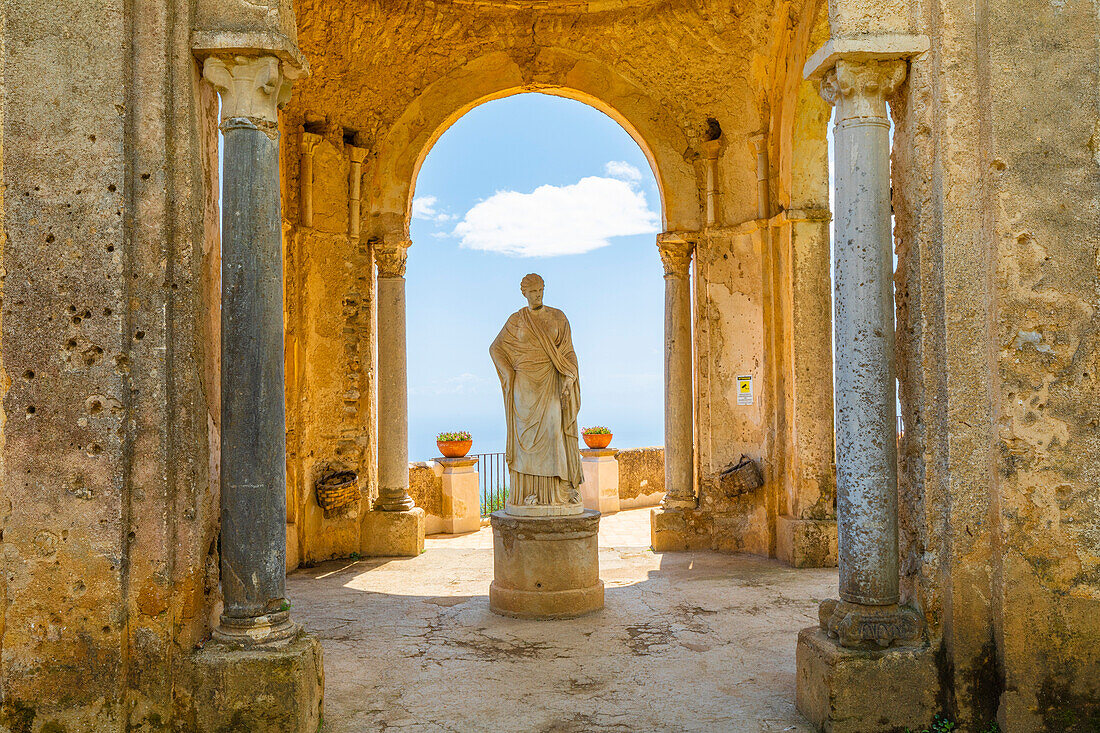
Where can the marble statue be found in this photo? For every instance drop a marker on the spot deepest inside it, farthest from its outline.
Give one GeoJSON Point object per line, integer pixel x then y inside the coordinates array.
{"type": "Point", "coordinates": [534, 358]}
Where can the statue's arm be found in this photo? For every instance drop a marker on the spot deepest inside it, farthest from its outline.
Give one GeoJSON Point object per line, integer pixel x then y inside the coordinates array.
{"type": "Point", "coordinates": [569, 355]}
{"type": "Point", "coordinates": [500, 358]}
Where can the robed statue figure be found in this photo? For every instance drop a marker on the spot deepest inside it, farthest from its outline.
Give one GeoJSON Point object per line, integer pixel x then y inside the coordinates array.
{"type": "Point", "coordinates": [538, 372]}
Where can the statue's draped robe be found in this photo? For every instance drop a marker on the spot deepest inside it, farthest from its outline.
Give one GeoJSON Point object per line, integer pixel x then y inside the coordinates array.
{"type": "Point", "coordinates": [534, 355]}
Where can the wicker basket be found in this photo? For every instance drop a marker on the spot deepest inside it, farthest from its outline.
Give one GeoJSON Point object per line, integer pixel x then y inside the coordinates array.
{"type": "Point", "coordinates": [338, 493]}
{"type": "Point", "coordinates": [741, 478]}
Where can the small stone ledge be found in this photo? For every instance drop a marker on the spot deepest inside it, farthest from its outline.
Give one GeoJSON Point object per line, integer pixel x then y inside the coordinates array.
{"type": "Point", "coordinates": [844, 690]}
{"type": "Point", "coordinates": [806, 543]}
{"type": "Point", "coordinates": [277, 689]}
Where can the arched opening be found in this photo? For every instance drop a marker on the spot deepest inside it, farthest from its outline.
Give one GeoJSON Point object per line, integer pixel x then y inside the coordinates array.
{"type": "Point", "coordinates": [534, 183]}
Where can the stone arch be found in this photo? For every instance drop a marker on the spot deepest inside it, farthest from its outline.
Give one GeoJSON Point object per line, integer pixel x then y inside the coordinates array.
{"type": "Point", "coordinates": [408, 141]}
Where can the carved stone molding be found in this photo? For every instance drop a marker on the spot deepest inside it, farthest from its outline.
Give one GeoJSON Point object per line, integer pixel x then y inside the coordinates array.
{"type": "Point", "coordinates": [251, 87]}
{"type": "Point", "coordinates": [859, 88]}
{"type": "Point", "coordinates": [675, 252]}
{"type": "Point", "coordinates": [390, 255]}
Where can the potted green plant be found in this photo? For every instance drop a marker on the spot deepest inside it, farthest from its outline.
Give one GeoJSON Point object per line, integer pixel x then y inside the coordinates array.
{"type": "Point", "coordinates": [454, 444]}
{"type": "Point", "coordinates": [596, 436]}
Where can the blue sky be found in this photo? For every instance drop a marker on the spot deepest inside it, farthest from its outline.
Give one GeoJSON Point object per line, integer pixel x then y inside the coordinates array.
{"type": "Point", "coordinates": [534, 183]}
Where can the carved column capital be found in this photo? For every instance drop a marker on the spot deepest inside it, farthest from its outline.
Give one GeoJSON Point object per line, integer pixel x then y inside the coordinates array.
{"type": "Point", "coordinates": [676, 252]}
{"type": "Point", "coordinates": [251, 87]}
{"type": "Point", "coordinates": [756, 143]}
{"type": "Point", "coordinates": [390, 255]}
{"type": "Point", "coordinates": [310, 141]}
{"type": "Point", "coordinates": [357, 155]}
{"type": "Point", "coordinates": [859, 89]}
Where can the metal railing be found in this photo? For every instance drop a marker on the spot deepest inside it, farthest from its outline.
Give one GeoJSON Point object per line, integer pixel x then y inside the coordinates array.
{"type": "Point", "coordinates": [493, 481]}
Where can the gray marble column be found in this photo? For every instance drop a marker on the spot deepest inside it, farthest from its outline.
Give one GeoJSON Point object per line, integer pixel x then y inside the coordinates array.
{"type": "Point", "coordinates": [863, 303]}
{"type": "Point", "coordinates": [393, 396]}
{"type": "Point", "coordinates": [676, 254]}
{"type": "Point", "coordinates": [253, 419]}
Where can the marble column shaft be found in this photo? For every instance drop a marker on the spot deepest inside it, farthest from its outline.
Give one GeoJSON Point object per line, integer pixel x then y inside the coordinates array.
{"type": "Point", "coordinates": [253, 419]}
{"type": "Point", "coordinates": [393, 398]}
{"type": "Point", "coordinates": [866, 447]}
{"type": "Point", "coordinates": [679, 433]}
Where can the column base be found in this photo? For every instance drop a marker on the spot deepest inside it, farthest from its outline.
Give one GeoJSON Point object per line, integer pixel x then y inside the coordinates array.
{"type": "Point", "coordinates": [843, 690]}
{"type": "Point", "coordinates": [392, 534]}
{"type": "Point", "coordinates": [679, 502]}
{"type": "Point", "coordinates": [854, 624]}
{"type": "Point", "coordinates": [806, 543]}
{"type": "Point", "coordinates": [680, 530]}
{"type": "Point", "coordinates": [394, 500]}
{"type": "Point", "coordinates": [276, 689]}
{"type": "Point", "coordinates": [546, 567]}
{"type": "Point", "coordinates": [255, 631]}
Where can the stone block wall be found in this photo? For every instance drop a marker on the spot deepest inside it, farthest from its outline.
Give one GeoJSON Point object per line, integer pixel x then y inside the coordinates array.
{"type": "Point", "coordinates": [641, 477]}
{"type": "Point", "coordinates": [426, 489]}
{"type": "Point", "coordinates": [109, 453]}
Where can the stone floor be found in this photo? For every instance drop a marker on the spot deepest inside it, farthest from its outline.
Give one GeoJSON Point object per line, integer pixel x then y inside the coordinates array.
{"type": "Point", "coordinates": [687, 642]}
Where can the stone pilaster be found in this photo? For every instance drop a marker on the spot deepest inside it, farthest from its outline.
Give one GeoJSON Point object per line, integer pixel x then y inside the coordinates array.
{"type": "Point", "coordinates": [676, 251]}
{"type": "Point", "coordinates": [712, 150]}
{"type": "Point", "coordinates": [309, 143]}
{"type": "Point", "coordinates": [355, 177]}
{"type": "Point", "coordinates": [866, 449]}
{"type": "Point", "coordinates": [253, 434]}
{"type": "Point", "coordinates": [393, 412]}
{"type": "Point", "coordinates": [759, 144]}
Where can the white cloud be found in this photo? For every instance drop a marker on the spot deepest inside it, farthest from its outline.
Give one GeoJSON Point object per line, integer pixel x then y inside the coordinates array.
{"type": "Point", "coordinates": [557, 220]}
{"type": "Point", "coordinates": [622, 170]}
{"type": "Point", "coordinates": [424, 207]}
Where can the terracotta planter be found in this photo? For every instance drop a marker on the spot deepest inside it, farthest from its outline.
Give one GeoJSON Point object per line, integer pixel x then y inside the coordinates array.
{"type": "Point", "coordinates": [597, 440]}
{"type": "Point", "coordinates": [454, 448]}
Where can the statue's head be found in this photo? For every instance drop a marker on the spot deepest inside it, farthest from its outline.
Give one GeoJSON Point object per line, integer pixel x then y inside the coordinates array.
{"type": "Point", "coordinates": [532, 286]}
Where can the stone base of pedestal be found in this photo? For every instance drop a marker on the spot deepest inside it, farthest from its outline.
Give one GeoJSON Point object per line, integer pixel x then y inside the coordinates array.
{"type": "Point", "coordinates": [545, 567]}
{"type": "Point", "coordinates": [844, 690]}
{"type": "Point", "coordinates": [680, 530]}
{"type": "Point", "coordinates": [600, 490]}
{"type": "Point", "coordinates": [392, 534]}
{"type": "Point", "coordinates": [278, 689]}
{"type": "Point", "coordinates": [806, 543]}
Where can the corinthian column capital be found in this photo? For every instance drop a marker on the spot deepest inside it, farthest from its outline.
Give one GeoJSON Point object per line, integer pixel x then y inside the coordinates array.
{"type": "Point", "coordinates": [859, 89]}
{"type": "Point", "coordinates": [675, 252]}
{"type": "Point", "coordinates": [390, 254]}
{"type": "Point", "coordinates": [251, 87]}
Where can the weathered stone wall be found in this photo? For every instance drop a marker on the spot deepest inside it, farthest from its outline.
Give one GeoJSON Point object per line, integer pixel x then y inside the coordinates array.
{"type": "Point", "coordinates": [330, 344]}
{"type": "Point", "coordinates": [641, 477]}
{"type": "Point", "coordinates": [426, 489]}
{"type": "Point", "coordinates": [109, 506]}
{"type": "Point", "coordinates": [730, 342]}
{"type": "Point", "coordinates": [997, 236]}
{"type": "Point", "coordinates": [391, 79]}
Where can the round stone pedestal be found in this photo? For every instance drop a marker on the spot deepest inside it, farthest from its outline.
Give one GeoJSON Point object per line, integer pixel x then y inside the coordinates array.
{"type": "Point", "coordinates": [545, 567]}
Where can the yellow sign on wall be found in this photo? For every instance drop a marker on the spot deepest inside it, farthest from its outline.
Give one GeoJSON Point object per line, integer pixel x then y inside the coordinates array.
{"type": "Point", "coordinates": [744, 389]}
